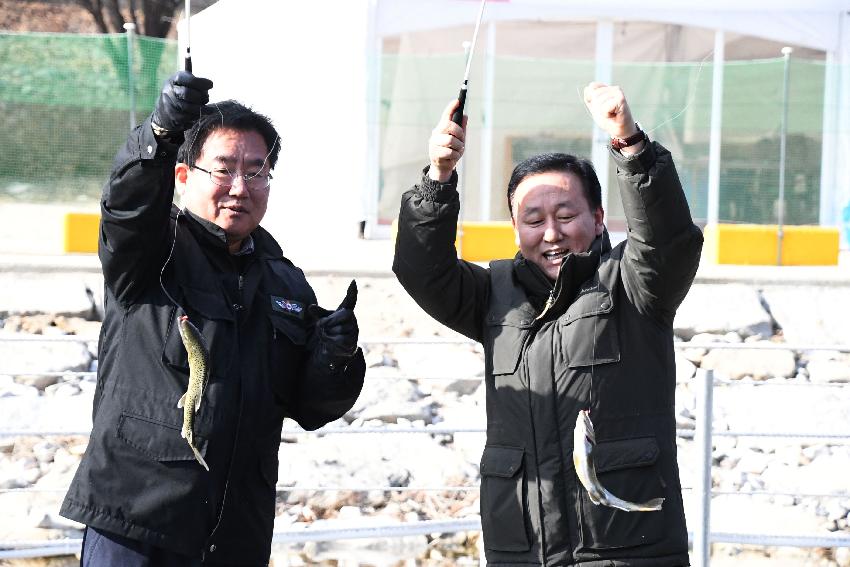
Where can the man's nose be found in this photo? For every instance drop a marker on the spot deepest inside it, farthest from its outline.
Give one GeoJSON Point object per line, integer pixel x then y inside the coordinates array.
{"type": "Point", "coordinates": [551, 234]}
{"type": "Point", "coordinates": [239, 186]}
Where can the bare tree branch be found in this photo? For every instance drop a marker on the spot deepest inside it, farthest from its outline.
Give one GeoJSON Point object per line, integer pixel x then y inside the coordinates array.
{"type": "Point", "coordinates": [153, 18]}
{"type": "Point", "coordinates": [133, 17]}
{"type": "Point", "coordinates": [116, 18]}
{"type": "Point", "coordinates": [93, 7]}
{"type": "Point", "coordinates": [159, 16]}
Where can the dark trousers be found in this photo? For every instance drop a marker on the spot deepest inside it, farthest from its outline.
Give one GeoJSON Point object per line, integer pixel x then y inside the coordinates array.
{"type": "Point", "coordinates": [104, 549]}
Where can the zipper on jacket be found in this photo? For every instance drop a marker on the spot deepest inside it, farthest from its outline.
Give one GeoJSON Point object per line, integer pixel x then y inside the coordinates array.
{"type": "Point", "coordinates": [550, 301]}
{"type": "Point", "coordinates": [240, 301]}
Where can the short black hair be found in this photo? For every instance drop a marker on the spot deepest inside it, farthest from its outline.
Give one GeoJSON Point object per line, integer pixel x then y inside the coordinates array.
{"type": "Point", "coordinates": [566, 163]}
{"type": "Point", "coordinates": [228, 114]}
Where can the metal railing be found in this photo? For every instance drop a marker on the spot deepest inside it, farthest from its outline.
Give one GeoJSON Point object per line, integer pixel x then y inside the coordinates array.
{"type": "Point", "coordinates": [702, 434]}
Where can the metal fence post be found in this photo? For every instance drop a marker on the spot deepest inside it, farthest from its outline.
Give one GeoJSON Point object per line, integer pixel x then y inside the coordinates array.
{"type": "Point", "coordinates": [131, 87]}
{"type": "Point", "coordinates": [783, 134]}
{"type": "Point", "coordinates": [702, 530]}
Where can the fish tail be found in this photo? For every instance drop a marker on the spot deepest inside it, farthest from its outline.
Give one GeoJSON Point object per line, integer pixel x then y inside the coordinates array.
{"type": "Point", "coordinates": [199, 457]}
{"type": "Point", "coordinates": [654, 504]}
{"type": "Point", "coordinates": [625, 505]}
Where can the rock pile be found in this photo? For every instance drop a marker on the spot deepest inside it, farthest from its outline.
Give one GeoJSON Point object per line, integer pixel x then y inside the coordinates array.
{"type": "Point", "coordinates": [360, 479]}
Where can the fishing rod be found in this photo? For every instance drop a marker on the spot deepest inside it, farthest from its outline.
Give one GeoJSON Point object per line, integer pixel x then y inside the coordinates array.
{"type": "Point", "coordinates": [187, 62]}
{"type": "Point", "coordinates": [457, 116]}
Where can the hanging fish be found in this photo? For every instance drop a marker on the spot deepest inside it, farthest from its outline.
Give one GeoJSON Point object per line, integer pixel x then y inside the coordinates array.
{"type": "Point", "coordinates": [199, 373]}
{"type": "Point", "coordinates": [584, 440]}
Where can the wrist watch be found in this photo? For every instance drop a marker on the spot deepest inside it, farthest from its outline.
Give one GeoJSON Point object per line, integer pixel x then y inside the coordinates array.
{"type": "Point", "coordinates": [620, 143]}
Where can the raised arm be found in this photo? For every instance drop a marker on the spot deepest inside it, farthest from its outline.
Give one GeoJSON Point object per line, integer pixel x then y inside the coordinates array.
{"type": "Point", "coordinates": [452, 291]}
{"type": "Point", "coordinates": [136, 201]}
{"type": "Point", "coordinates": [663, 245]}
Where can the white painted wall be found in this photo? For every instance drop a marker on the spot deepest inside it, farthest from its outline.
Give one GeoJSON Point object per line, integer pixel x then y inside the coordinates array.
{"type": "Point", "coordinates": [313, 66]}
{"type": "Point", "coordinates": [304, 65]}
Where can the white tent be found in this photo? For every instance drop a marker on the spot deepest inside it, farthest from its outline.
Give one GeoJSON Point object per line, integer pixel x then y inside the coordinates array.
{"type": "Point", "coordinates": [314, 67]}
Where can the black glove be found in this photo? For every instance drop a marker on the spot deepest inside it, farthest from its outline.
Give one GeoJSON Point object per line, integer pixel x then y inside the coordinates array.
{"type": "Point", "coordinates": [180, 102]}
{"type": "Point", "coordinates": [336, 333]}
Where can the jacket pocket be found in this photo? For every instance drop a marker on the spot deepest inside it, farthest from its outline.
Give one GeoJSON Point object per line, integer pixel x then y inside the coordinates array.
{"type": "Point", "coordinates": [627, 469]}
{"type": "Point", "coordinates": [158, 440]}
{"type": "Point", "coordinates": [589, 340]}
{"type": "Point", "coordinates": [503, 499]}
{"type": "Point", "coordinates": [210, 313]}
{"type": "Point", "coordinates": [284, 327]}
{"type": "Point", "coordinates": [506, 339]}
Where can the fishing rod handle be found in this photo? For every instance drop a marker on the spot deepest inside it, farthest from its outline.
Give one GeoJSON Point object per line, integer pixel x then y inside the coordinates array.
{"type": "Point", "coordinates": [457, 115]}
{"type": "Point", "coordinates": [187, 63]}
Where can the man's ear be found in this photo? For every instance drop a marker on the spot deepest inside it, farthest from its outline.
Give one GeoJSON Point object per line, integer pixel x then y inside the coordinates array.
{"type": "Point", "coordinates": [181, 176]}
{"type": "Point", "coordinates": [516, 232]}
{"type": "Point", "coordinates": [599, 220]}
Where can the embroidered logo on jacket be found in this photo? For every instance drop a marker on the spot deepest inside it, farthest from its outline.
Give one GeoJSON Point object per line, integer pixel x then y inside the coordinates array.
{"type": "Point", "coordinates": [288, 306]}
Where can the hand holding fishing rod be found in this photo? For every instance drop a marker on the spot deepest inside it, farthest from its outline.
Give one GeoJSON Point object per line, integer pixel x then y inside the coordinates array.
{"type": "Point", "coordinates": [182, 98]}
{"type": "Point", "coordinates": [457, 116]}
{"type": "Point", "coordinates": [179, 104]}
{"type": "Point", "coordinates": [187, 62]}
{"type": "Point", "coordinates": [446, 144]}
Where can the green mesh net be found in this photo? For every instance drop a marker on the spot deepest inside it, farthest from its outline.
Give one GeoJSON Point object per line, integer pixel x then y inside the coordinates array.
{"type": "Point", "coordinates": [536, 107]}
{"type": "Point", "coordinates": [66, 106]}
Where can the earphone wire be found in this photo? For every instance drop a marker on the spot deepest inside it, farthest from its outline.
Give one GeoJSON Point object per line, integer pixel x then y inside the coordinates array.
{"type": "Point", "coordinates": [167, 260]}
{"type": "Point", "coordinates": [180, 210]}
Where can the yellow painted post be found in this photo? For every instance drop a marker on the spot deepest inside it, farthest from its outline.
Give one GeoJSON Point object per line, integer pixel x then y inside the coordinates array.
{"type": "Point", "coordinates": [81, 232]}
{"type": "Point", "coordinates": [490, 240]}
{"type": "Point", "coordinates": [751, 244]}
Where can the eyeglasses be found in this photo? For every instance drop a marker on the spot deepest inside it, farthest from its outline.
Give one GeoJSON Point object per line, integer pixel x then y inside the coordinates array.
{"type": "Point", "coordinates": [223, 178]}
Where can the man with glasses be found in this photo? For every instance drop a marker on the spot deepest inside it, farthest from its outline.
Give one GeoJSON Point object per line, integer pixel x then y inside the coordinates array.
{"type": "Point", "coordinates": [273, 353]}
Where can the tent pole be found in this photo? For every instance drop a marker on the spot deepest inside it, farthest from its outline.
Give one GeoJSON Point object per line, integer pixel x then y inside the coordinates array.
{"type": "Point", "coordinates": [713, 213]}
{"type": "Point", "coordinates": [604, 74]}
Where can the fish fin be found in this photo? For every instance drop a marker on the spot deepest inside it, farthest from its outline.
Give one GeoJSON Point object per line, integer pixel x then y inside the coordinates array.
{"type": "Point", "coordinates": [182, 401]}
{"type": "Point", "coordinates": [596, 498]}
{"type": "Point", "coordinates": [198, 403]}
{"type": "Point", "coordinates": [199, 457]}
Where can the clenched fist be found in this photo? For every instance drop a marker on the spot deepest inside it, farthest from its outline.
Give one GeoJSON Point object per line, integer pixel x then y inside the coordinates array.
{"type": "Point", "coordinates": [610, 110]}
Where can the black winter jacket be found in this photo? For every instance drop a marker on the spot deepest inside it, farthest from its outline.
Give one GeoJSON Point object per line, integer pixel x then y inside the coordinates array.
{"type": "Point", "coordinates": [609, 330]}
{"type": "Point", "coordinates": [138, 477]}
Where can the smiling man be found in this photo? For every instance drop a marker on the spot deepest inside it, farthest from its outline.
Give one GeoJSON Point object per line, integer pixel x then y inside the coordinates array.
{"type": "Point", "coordinates": [569, 324]}
{"type": "Point", "coordinates": [273, 353]}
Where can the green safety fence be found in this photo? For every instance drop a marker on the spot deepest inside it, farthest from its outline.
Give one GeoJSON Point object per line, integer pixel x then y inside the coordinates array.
{"type": "Point", "coordinates": [536, 106]}
{"type": "Point", "coordinates": [65, 107]}
{"type": "Point", "coordinates": [66, 102]}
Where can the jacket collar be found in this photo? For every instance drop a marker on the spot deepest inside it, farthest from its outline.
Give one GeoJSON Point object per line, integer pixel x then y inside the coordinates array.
{"type": "Point", "coordinates": [575, 270]}
{"type": "Point", "coordinates": [263, 246]}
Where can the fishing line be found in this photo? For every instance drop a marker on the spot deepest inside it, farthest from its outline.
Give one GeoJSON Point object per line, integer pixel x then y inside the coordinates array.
{"type": "Point", "coordinates": [595, 323]}
{"type": "Point", "coordinates": [691, 97]}
{"type": "Point", "coordinates": [690, 101]}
